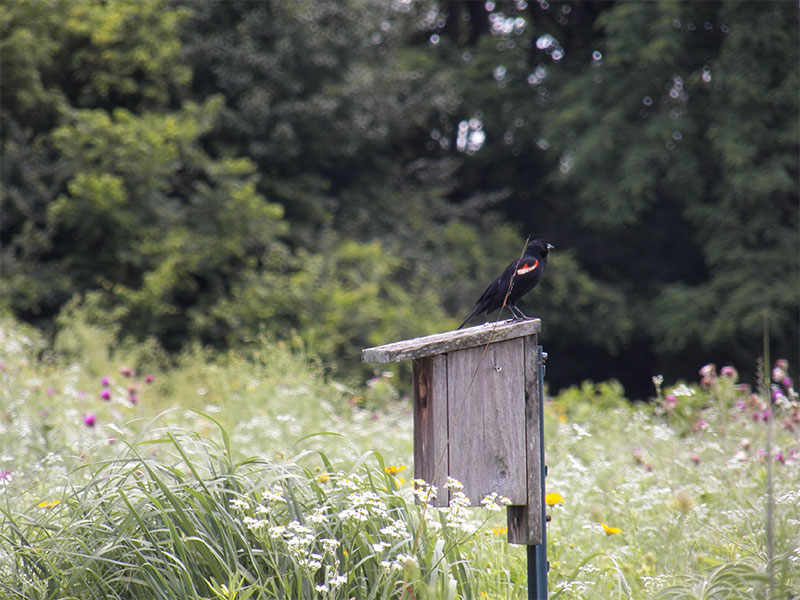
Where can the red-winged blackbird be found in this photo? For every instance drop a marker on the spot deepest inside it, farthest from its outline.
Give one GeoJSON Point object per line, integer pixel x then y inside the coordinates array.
{"type": "Point", "coordinates": [518, 279]}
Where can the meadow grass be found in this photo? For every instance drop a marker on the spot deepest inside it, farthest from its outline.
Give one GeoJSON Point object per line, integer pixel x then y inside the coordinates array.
{"type": "Point", "coordinates": [259, 476]}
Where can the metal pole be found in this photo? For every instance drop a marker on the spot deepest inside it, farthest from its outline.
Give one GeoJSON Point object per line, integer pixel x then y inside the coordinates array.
{"type": "Point", "coordinates": [537, 554]}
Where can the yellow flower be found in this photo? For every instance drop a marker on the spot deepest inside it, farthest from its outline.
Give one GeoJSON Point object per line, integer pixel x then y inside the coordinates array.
{"type": "Point", "coordinates": [324, 477]}
{"type": "Point", "coordinates": [610, 530]}
{"type": "Point", "coordinates": [562, 418]}
{"type": "Point", "coordinates": [49, 503]}
{"type": "Point", "coordinates": [393, 469]}
{"type": "Point", "coordinates": [499, 530]}
{"type": "Point", "coordinates": [553, 498]}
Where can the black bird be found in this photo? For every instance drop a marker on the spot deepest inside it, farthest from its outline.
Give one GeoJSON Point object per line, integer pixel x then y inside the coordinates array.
{"type": "Point", "coordinates": [518, 279]}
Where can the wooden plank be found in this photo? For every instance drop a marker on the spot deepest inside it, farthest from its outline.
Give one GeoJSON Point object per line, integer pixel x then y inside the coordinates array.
{"type": "Point", "coordinates": [525, 522]}
{"type": "Point", "coordinates": [449, 341]}
{"type": "Point", "coordinates": [486, 408]}
{"type": "Point", "coordinates": [430, 423]}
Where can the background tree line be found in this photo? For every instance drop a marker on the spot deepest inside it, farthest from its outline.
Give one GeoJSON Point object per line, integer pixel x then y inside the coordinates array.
{"type": "Point", "coordinates": [348, 173]}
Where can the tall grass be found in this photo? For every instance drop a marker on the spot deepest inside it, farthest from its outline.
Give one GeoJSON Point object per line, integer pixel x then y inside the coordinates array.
{"type": "Point", "coordinates": [258, 477]}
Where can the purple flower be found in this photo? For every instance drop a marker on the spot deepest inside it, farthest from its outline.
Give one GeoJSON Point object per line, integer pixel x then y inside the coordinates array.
{"type": "Point", "coordinates": [132, 399]}
{"type": "Point", "coordinates": [787, 382]}
{"type": "Point", "coordinates": [729, 372]}
{"type": "Point", "coordinates": [148, 379]}
{"type": "Point", "coordinates": [777, 395]}
{"type": "Point", "coordinates": [5, 477]}
{"type": "Point", "coordinates": [106, 394]}
{"type": "Point", "coordinates": [766, 415]}
{"type": "Point", "coordinates": [741, 405]}
{"type": "Point", "coordinates": [105, 382]}
{"type": "Point", "coordinates": [670, 402]}
{"type": "Point", "coordinates": [89, 420]}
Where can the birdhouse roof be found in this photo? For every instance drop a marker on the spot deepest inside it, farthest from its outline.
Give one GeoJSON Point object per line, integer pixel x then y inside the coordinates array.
{"type": "Point", "coordinates": [449, 341]}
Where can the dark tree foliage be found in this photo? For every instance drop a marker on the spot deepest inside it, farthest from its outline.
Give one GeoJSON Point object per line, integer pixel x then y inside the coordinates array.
{"type": "Point", "coordinates": [347, 173]}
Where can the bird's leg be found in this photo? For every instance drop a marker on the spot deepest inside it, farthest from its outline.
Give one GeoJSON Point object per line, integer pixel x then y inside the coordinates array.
{"type": "Point", "coordinates": [519, 313]}
{"type": "Point", "coordinates": [514, 313]}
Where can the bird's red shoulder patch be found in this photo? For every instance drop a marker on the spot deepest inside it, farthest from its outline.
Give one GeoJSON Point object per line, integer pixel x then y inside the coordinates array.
{"type": "Point", "coordinates": [526, 268]}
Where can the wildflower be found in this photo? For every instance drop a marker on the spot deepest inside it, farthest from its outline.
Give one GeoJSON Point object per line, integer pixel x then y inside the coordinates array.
{"type": "Point", "coordinates": [148, 379]}
{"type": "Point", "coordinates": [5, 477]}
{"type": "Point", "coordinates": [397, 529]}
{"type": "Point", "coordinates": [126, 372]}
{"type": "Point", "coordinates": [323, 478]}
{"type": "Point", "coordinates": [709, 375]}
{"type": "Point", "coordinates": [393, 469]}
{"type": "Point", "coordinates": [493, 501]}
{"type": "Point", "coordinates": [695, 459]}
{"type": "Point", "coordinates": [252, 524]}
{"type": "Point", "coordinates": [318, 516]}
{"type": "Point", "coordinates": [89, 420]}
{"type": "Point", "coordinates": [239, 504]}
{"type": "Point", "coordinates": [782, 363]}
{"type": "Point", "coordinates": [453, 484]}
{"type": "Point", "coordinates": [105, 382]}
{"type": "Point", "coordinates": [766, 415]}
{"type": "Point", "coordinates": [322, 587]}
{"type": "Point", "coordinates": [610, 530]}
{"type": "Point", "coordinates": [49, 503]}
{"type": "Point", "coordinates": [499, 530]}
{"type": "Point", "coordinates": [132, 399]}
{"type": "Point", "coordinates": [670, 402]}
{"type": "Point", "coordinates": [380, 546]}
{"type": "Point", "coordinates": [700, 425]}
{"type": "Point", "coordinates": [275, 494]}
{"type": "Point", "coordinates": [106, 394]}
{"type": "Point", "coordinates": [424, 491]}
{"type": "Point", "coordinates": [51, 391]}
{"type": "Point", "coordinates": [330, 545]}
{"type": "Point", "coordinates": [553, 498]}
{"type": "Point", "coordinates": [729, 372]}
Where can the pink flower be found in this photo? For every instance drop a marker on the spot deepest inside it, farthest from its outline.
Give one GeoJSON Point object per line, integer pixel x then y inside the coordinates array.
{"type": "Point", "coordinates": [126, 372]}
{"type": "Point", "coordinates": [766, 415]}
{"type": "Point", "coordinates": [106, 394]}
{"type": "Point", "coordinates": [787, 382]}
{"type": "Point", "coordinates": [701, 425]}
{"type": "Point", "coordinates": [778, 374]}
{"type": "Point", "coordinates": [132, 399]}
{"type": "Point", "coordinates": [89, 420]}
{"type": "Point", "coordinates": [709, 370]}
{"type": "Point", "coordinates": [105, 382]}
{"type": "Point", "coordinates": [695, 459]}
{"type": "Point", "coordinates": [5, 477]}
{"type": "Point", "coordinates": [50, 392]}
{"type": "Point", "coordinates": [670, 402]}
{"type": "Point", "coordinates": [782, 363]}
{"type": "Point", "coordinates": [729, 372]}
{"type": "Point", "coordinates": [148, 379]}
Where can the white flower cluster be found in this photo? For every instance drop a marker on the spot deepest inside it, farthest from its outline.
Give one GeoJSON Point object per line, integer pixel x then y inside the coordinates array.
{"type": "Point", "coordinates": [458, 516]}
{"type": "Point", "coordinates": [494, 502]}
{"type": "Point", "coordinates": [401, 562]}
{"type": "Point", "coordinates": [364, 504]}
{"type": "Point", "coordinates": [299, 540]}
{"type": "Point", "coordinates": [424, 491]}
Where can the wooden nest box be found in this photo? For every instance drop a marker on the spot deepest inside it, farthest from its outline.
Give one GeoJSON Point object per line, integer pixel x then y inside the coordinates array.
{"type": "Point", "coordinates": [477, 415]}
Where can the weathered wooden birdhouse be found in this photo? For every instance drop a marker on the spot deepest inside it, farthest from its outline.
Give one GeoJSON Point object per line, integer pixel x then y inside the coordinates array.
{"type": "Point", "coordinates": [477, 415]}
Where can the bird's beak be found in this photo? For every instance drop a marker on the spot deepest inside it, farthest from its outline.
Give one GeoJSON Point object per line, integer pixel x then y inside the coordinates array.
{"type": "Point", "coordinates": [551, 247]}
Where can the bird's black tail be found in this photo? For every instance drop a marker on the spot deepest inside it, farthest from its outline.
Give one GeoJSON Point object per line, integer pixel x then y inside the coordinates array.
{"type": "Point", "coordinates": [475, 311]}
